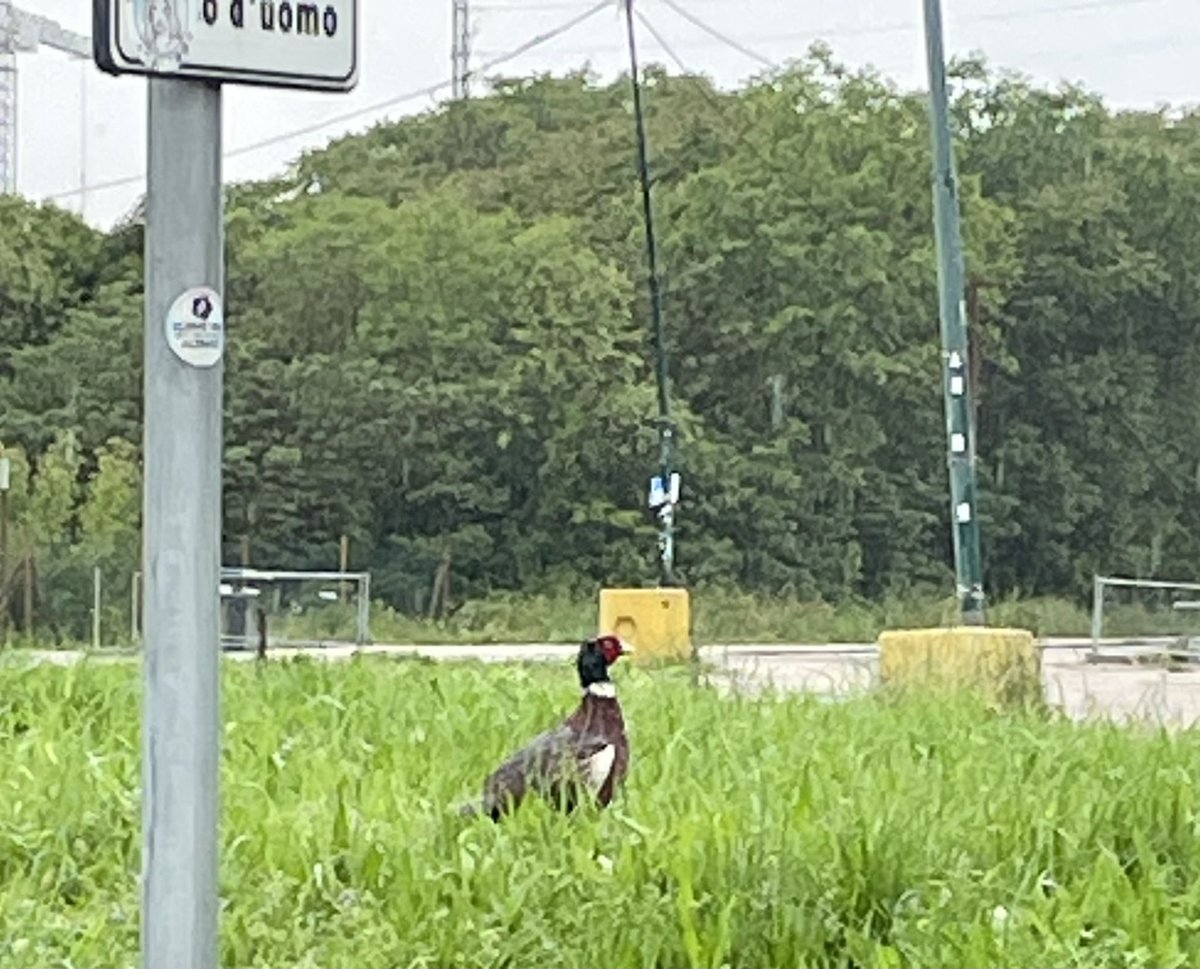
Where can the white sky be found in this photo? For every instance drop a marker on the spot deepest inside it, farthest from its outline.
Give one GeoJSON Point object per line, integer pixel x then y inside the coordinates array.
{"type": "Point", "coordinates": [1135, 52]}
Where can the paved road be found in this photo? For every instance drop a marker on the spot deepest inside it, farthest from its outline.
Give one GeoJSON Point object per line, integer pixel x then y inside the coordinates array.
{"type": "Point", "coordinates": [1081, 688]}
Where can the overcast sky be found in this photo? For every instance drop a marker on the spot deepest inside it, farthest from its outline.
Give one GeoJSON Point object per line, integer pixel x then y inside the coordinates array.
{"type": "Point", "coordinates": [1135, 52]}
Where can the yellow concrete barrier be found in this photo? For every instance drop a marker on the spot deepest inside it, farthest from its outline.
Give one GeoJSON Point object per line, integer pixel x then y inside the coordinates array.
{"type": "Point", "coordinates": [1004, 664]}
{"type": "Point", "coordinates": [656, 622]}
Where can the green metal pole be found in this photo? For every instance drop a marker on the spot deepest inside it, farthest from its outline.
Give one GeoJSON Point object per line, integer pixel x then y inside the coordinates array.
{"type": "Point", "coordinates": [956, 376]}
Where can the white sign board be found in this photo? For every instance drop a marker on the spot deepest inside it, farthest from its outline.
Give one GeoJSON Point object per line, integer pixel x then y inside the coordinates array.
{"type": "Point", "coordinates": [196, 327]}
{"type": "Point", "coordinates": [309, 44]}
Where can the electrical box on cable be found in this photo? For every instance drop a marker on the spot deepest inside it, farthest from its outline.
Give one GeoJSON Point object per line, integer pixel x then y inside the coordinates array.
{"type": "Point", "coordinates": [660, 494]}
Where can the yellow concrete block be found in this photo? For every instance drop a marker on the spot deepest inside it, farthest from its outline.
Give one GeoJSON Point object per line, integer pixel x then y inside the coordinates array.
{"type": "Point", "coordinates": [656, 622]}
{"type": "Point", "coordinates": [1005, 664]}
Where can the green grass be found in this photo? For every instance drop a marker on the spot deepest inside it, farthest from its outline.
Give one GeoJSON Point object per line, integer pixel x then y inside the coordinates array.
{"type": "Point", "coordinates": [719, 616]}
{"type": "Point", "coordinates": [725, 617]}
{"type": "Point", "coordinates": [775, 832]}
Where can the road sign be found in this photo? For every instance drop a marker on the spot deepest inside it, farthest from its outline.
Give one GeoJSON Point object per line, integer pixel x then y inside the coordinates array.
{"type": "Point", "coordinates": [189, 49]}
{"type": "Point", "coordinates": [308, 44]}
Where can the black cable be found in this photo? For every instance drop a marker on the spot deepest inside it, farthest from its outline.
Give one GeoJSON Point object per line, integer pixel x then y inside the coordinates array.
{"type": "Point", "coordinates": [723, 38]}
{"type": "Point", "coordinates": [666, 427]}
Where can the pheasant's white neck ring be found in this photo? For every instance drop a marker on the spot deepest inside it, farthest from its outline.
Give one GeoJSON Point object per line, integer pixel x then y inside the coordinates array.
{"type": "Point", "coordinates": [607, 690]}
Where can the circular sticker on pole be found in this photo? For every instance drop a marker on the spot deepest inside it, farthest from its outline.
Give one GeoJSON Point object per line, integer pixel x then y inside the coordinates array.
{"type": "Point", "coordinates": [196, 327]}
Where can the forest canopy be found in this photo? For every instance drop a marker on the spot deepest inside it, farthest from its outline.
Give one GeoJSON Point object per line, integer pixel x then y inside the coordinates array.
{"type": "Point", "coordinates": [439, 345]}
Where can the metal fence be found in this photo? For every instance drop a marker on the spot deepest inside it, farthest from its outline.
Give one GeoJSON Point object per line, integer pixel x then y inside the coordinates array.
{"type": "Point", "coordinates": [87, 605]}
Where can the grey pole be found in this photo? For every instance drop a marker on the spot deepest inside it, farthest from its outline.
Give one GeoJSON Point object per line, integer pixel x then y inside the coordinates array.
{"type": "Point", "coordinates": [182, 514]}
{"type": "Point", "coordinates": [96, 601]}
{"type": "Point", "coordinates": [1097, 612]}
{"type": "Point", "coordinates": [135, 634]}
{"type": "Point", "coordinates": [364, 610]}
{"type": "Point", "coordinates": [956, 378]}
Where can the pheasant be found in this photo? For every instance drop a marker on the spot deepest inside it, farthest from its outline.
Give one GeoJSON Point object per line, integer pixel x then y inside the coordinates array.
{"type": "Point", "coordinates": [588, 751]}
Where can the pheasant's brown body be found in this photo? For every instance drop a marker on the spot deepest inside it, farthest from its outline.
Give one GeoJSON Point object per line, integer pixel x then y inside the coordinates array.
{"type": "Point", "coordinates": [587, 754]}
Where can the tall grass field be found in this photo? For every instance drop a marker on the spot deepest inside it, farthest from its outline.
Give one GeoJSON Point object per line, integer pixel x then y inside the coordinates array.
{"type": "Point", "coordinates": [770, 831]}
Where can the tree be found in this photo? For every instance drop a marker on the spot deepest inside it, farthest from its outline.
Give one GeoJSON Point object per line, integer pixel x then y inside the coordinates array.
{"type": "Point", "coordinates": [47, 266]}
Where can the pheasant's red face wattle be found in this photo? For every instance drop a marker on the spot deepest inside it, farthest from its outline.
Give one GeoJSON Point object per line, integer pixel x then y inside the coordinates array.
{"type": "Point", "coordinates": [612, 648]}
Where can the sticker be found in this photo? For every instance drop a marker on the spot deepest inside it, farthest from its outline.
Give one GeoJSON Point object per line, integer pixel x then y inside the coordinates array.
{"type": "Point", "coordinates": [161, 32]}
{"type": "Point", "coordinates": [196, 327]}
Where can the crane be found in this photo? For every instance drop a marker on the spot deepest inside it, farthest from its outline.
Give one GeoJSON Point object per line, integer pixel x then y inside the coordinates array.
{"type": "Point", "coordinates": [22, 32]}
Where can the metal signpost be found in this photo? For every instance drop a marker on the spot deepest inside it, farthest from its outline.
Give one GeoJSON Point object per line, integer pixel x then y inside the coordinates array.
{"type": "Point", "coordinates": [960, 429]}
{"type": "Point", "coordinates": [187, 48]}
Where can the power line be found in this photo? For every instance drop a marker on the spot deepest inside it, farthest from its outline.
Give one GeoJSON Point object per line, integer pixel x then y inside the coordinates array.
{"type": "Point", "coordinates": [670, 52]}
{"type": "Point", "coordinates": [1080, 6]}
{"type": "Point", "coordinates": [720, 107]}
{"type": "Point", "coordinates": [427, 91]}
{"type": "Point", "coordinates": [899, 27]}
{"type": "Point", "coordinates": [542, 38]}
{"type": "Point", "coordinates": [433, 89]}
{"type": "Point", "coordinates": [723, 38]}
{"type": "Point", "coordinates": [525, 7]}
{"type": "Point", "coordinates": [895, 27]}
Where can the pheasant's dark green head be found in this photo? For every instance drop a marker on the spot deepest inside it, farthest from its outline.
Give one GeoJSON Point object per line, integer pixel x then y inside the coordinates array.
{"type": "Point", "coordinates": [596, 656]}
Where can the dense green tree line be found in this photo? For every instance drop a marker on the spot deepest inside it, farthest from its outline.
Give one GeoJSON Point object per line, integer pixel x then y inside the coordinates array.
{"type": "Point", "coordinates": [439, 344]}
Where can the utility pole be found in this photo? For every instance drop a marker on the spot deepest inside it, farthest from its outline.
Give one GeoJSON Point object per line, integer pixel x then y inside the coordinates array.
{"type": "Point", "coordinates": [187, 52]}
{"type": "Point", "coordinates": [83, 139]}
{"type": "Point", "coordinates": [24, 33]}
{"type": "Point", "coordinates": [344, 565]}
{"type": "Point", "coordinates": [978, 349]}
{"type": "Point", "coordinates": [27, 610]}
{"type": "Point", "coordinates": [460, 54]}
{"type": "Point", "coordinates": [956, 377]}
{"type": "Point", "coordinates": [8, 99]}
{"type": "Point", "coordinates": [5, 466]}
{"type": "Point", "coordinates": [184, 256]}
{"type": "Point", "coordinates": [664, 491]}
